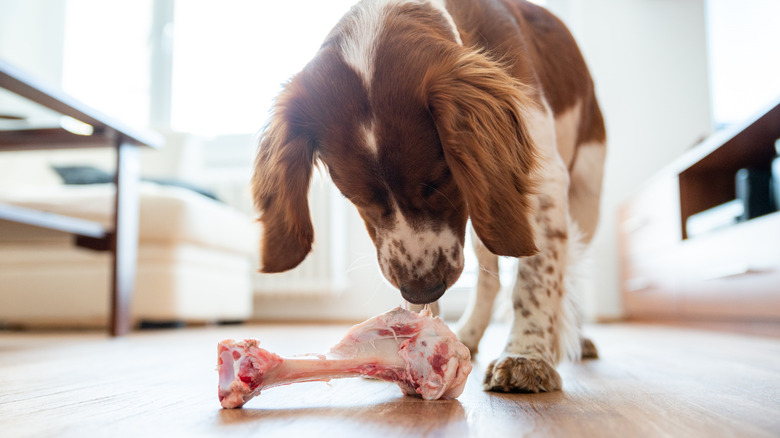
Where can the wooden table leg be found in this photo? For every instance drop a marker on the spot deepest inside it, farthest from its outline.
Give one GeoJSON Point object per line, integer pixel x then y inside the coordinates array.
{"type": "Point", "coordinates": [125, 238]}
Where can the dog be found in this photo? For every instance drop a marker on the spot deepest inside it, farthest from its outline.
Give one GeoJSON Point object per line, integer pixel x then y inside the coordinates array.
{"type": "Point", "coordinates": [428, 114]}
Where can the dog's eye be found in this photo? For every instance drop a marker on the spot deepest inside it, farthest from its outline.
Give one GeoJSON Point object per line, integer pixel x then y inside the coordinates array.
{"type": "Point", "coordinates": [428, 190]}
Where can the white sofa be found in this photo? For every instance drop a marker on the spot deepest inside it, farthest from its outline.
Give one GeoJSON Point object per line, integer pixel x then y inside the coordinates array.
{"type": "Point", "coordinates": [195, 260]}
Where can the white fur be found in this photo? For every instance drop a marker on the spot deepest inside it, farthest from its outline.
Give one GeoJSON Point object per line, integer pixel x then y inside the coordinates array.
{"type": "Point", "coordinates": [541, 125]}
{"type": "Point", "coordinates": [567, 126]}
{"type": "Point", "coordinates": [365, 25]}
{"type": "Point", "coordinates": [441, 6]}
{"type": "Point", "coordinates": [422, 246]}
{"type": "Point", "coordinates": [587, 173]}
{"type": "Point", "coordinates": [359, 45]}
{"type": "Point", "coordinates": [570, 319]}
{"type": "Point", "coordinates": [369, 132]}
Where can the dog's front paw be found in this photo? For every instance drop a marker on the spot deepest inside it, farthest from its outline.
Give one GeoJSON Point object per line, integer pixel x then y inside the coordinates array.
{"type": "Point", "coordinates": [589, 350]}
{"type": "Point", "coordinates": [510, 373]}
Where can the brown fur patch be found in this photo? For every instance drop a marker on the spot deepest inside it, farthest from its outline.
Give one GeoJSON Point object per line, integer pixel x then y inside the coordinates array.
{"type": "Point", "coordinates": [478, 108]}
{"type": "Point", "coordinates": [557, 234]}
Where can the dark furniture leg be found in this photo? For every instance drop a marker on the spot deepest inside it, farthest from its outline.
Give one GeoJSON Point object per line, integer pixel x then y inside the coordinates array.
{"type": "Point", "coordinates": [123, 240]}
{"type": "Point", "coordinates": [124, 250]}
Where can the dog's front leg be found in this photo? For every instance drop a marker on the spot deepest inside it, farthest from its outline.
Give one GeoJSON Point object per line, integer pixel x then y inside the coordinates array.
{"type": "Point", "coordinates": [479, 310]}
{"type": "Point", "coordinates": [528, 361]}
{"type": "Point", "coordinates": [535, 342]}
{"type": "Point", "coordinates": [542, 324]}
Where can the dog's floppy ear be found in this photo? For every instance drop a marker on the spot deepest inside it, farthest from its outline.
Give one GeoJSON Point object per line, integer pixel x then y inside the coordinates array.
{"type": "Point", "coordinates": [478, 110]}
{"type": "Point", "coordinates": [280, 186]}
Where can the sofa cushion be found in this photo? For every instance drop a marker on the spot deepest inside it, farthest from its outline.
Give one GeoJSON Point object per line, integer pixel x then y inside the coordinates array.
{"type": "Point", "coordinates": [167, 215]}
{"type": "Point", "coordinates": [57, 285]}
{"type": "Point", "coordinates": [82, 174]}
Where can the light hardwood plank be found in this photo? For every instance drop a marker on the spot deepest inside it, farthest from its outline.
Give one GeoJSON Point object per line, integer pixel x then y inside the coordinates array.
{"type": "Point", "coordinates": [651, 381]}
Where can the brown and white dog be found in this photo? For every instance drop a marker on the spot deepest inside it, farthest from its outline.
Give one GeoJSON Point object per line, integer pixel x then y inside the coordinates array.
{"type": "Point", "coordinates": [428, 113]}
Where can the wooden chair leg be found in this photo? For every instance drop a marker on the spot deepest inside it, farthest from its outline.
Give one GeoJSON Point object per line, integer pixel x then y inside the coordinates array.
{"type": "Point", "coordinates": [125, 237]}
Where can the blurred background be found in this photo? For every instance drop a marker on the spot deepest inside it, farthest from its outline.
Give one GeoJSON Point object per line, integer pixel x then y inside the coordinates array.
{"type": "Point", "coordinates": [204, 74]}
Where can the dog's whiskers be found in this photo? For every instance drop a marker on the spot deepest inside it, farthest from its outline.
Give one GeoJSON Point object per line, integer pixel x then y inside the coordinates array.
{"type": "Point", "coordinates": [491, 273]}
{"type": "Point", "coordinates": [442, 193]}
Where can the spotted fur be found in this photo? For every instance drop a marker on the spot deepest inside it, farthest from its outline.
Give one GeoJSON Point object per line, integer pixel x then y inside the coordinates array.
{"type": "Point", "coordinates": [431, 113]}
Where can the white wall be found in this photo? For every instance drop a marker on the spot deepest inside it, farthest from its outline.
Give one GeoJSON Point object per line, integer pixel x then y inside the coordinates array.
{"type": "Point", "coordinates": [649, 61]}
{"type": "Point", "coordinates": [31, 36]}
{"type": "Point", "coordinates": [744, 43]}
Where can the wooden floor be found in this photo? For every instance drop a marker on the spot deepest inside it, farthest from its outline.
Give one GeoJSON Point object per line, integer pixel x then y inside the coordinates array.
{"type": "Point", "coordinates": [650, 382]}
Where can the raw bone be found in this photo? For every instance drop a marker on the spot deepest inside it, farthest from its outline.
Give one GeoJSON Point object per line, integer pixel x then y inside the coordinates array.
{"type": "Point", "coordinates": [417, 351]}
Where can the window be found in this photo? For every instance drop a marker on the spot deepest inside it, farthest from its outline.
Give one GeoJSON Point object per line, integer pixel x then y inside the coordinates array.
{"type": "Point", "coordinates": [106, 57]}
{"type": "Point", "coordinates": [744, 40]}
{"type": "Point", "coordinates": [231, 57]}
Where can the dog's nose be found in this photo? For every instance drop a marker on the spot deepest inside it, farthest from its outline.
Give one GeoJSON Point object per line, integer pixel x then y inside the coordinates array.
{"type": "Point", "coordinates": [422, 294]}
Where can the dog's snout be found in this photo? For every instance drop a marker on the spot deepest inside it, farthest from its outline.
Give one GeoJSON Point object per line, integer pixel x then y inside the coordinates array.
{"type": "Point", "coordinates": [422, 294]}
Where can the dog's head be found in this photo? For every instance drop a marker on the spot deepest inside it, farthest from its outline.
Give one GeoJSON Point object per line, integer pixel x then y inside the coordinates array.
{"type": "Point", "coordinates": [419, 133]}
